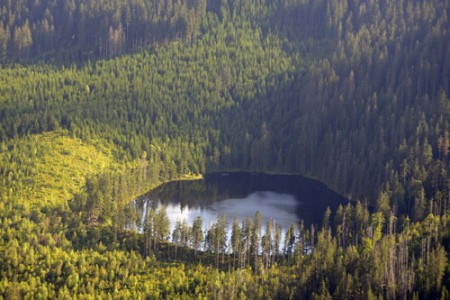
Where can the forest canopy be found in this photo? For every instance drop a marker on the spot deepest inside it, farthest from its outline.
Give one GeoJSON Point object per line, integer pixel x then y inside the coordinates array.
{"type": "Point", "coordinates": [102, 100]}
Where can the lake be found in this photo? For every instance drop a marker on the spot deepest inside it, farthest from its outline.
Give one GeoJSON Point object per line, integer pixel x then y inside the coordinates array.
{"type": "Point", "coordinates": [286, 199]}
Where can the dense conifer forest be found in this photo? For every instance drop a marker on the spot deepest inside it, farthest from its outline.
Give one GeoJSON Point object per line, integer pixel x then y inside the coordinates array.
{"type": "Point", "coordinates": [102, 100]}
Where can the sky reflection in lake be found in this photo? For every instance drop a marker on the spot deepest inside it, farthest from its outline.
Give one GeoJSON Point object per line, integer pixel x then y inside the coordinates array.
{"type": "Point", "coordinates": [286, 199]}
{"type": "Point", "coordinates": [280, 207]}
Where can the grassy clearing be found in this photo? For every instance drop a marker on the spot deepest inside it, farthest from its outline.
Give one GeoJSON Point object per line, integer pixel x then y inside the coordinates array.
{"type": "Point", "coordinates": [65, 164]}
{"type": "Point", "coordinates": [54, 166]}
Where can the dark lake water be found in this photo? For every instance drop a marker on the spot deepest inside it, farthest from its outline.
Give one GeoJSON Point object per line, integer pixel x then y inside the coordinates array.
{"type": "Point", "coordinates": [286, 199]}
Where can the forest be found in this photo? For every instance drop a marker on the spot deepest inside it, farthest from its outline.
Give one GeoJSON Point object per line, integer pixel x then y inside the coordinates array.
{"type": "Point", "coordinates": [101, 101]}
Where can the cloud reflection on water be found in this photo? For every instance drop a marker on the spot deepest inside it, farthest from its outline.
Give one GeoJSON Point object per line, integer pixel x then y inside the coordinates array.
{"type": "Point", "coordinates": [279, 207]}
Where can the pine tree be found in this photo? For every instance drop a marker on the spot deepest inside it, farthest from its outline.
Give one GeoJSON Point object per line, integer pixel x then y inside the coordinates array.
{"type": "Point", "coordinates": [197, 234]}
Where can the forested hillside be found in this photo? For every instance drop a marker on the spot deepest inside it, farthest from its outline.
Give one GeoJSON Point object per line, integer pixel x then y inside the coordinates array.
{"type": "Point", "coordinates": [103, 100]}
